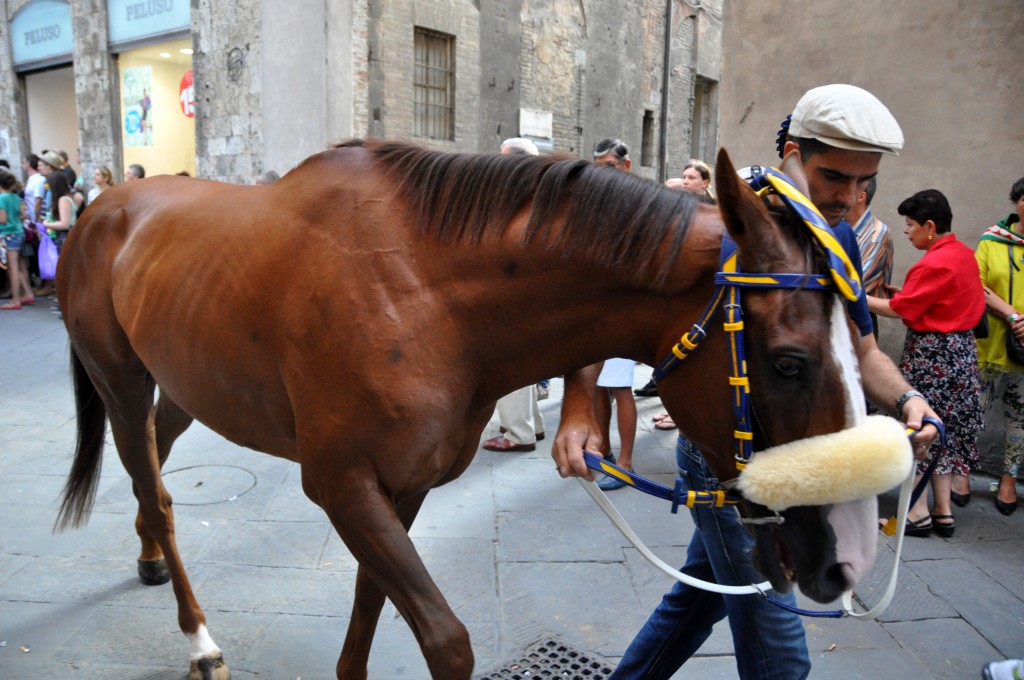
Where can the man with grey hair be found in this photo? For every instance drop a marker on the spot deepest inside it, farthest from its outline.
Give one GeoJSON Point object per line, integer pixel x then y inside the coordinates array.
{"type": "Point", "coordinates": [838, 133]}
{"type": "Point", "coordinates": [134, 172]}
{"type": "Point", "coordinates": [516, 145]}
{"type": "Point", "coordinates": [874, 239]}
{"type": "Point", "coordinates": [519, 416]}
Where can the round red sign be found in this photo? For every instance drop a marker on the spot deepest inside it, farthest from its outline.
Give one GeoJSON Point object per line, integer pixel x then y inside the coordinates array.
{"type": "Point", "coordinates": [186, 95]}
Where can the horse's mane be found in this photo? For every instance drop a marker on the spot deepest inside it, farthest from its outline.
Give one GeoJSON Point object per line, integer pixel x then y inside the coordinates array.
{"type": "Point", "coordinates": [610, 218]}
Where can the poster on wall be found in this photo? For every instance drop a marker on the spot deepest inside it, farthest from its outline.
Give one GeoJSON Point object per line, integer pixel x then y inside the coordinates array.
{"type": "Point", "coordinates": [136, 100]}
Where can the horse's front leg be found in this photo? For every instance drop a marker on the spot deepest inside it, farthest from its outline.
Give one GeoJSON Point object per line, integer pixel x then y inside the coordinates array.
{"type": "Point", "coordinates": [389, 566]}
{"type": "Point", "coordinates": [369, 600]}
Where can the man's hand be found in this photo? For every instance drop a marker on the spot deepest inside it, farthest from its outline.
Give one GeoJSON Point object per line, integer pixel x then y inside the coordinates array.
{"type": "Point", "coordinates": [578, 429]}
{"type": "Point", "coordinates": [914, 412]}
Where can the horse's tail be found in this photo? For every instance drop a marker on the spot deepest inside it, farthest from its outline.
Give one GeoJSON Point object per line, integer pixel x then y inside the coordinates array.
{"type": "Point", "coordinates": [80, 490]}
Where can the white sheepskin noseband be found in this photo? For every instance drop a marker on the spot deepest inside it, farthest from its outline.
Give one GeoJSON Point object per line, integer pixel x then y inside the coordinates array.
{"type": "Point", "coordinates": [832, 468]}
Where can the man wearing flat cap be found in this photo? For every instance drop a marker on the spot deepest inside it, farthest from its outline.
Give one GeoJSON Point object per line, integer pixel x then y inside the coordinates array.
{"type": "Point", "coordinates": [838, 133]}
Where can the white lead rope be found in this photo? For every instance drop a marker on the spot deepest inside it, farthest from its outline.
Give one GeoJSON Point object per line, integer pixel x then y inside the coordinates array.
{"type": "Point", "coordinates": [626, 530]}
{"type": "Point", "coordinates": [902, 508]}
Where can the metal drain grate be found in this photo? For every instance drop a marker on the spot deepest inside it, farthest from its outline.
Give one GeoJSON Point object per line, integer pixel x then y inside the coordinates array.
{"type": "Point", "coordinates": [553, 659]}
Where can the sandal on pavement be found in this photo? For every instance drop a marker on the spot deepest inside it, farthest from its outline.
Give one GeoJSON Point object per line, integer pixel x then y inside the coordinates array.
{"type": "Point", "coordinates": [920, 527]}
{"type": "Point", "coordinates": [665, 424]}
{"type": "Point", "coordinates": [944, 528]}
{"type": "Point", "coordinates": [1003, 507]}
{"type": "Point", "coordinates": [503, 445]}
{"type": "Point", "coordinates": [28, 301]}
{"type": "Point", "coordinates": [539, 435]}
{"type": "Point", "coordinates": [11, 305]}
{"type": "Point", "coordinates": [960, 499]}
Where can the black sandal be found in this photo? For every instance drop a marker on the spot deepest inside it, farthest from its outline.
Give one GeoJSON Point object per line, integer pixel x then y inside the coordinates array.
{"type": "Point", "coordinates": [921, 527]}
{"type": "Point", "coordinates": [960, 499]}
{"type": "Point", "coordinates": [944, 529]}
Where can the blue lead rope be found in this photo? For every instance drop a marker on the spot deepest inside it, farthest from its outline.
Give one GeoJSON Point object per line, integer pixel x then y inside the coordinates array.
{"type": "Point", "coordinates": [720, 498]}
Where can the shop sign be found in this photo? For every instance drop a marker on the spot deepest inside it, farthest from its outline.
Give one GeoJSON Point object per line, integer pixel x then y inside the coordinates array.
{"type": "Point", "coordinates": [187, 95]}
{"type": "Point", "coordinates": [135, 19]}
{"type": "Point", "coordinates": [41, 30]}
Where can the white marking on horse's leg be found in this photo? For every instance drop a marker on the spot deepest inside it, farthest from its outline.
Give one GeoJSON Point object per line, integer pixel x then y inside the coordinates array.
{"type": "Point", "coordinates": [201, 645]}
{"type": "Point", "coordinates": [846, 356]}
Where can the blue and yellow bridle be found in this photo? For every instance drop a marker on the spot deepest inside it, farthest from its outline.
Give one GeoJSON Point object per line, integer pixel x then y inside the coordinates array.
{"type": "Point", "coordinates": [842, 277]}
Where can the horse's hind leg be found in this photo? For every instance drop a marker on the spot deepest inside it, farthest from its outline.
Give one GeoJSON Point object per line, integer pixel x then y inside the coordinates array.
{"type": "Point", "coordinates": [170, 422]}
{"type": "Point", "coordinates": [389, 566]}
{"type": "Point", "coordinates": [132, 423]}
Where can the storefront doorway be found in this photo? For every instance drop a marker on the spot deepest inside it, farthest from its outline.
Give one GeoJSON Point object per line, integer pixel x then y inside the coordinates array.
{"type": "Point", "coordinates": [158, 108]}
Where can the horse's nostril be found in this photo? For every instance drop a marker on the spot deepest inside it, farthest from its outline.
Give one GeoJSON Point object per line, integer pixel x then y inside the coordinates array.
{"type": "Point", "coordinates": [843, 575]}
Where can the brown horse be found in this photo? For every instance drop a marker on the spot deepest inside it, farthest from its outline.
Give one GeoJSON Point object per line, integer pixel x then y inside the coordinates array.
{"type": "Point", "coordinates": [384, 283]}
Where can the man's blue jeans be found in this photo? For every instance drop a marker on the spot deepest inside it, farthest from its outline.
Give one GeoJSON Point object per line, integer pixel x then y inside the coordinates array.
{"type": "Point", "coordinates": [769, 641]}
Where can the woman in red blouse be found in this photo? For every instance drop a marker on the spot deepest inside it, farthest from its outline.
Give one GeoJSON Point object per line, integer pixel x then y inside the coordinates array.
{"type": "Point", "coordinates": [940, 303]}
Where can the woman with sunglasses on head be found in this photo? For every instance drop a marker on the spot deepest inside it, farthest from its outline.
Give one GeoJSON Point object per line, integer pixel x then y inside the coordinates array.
{"type": "Point", "coordinates": [697, 180]}
{"type": "Point", "coordinates": [1000, 256]}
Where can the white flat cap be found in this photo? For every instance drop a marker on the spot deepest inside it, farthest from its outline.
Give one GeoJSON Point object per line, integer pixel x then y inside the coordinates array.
{"type": "Point", "coordinates": [846, 117]}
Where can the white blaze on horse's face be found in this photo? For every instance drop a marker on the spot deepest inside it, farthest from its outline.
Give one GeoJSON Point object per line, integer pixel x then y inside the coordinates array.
{"type": "Point", "coordinates": [855, 522]}
{"type": "Point", "coordinates": [845, 355]}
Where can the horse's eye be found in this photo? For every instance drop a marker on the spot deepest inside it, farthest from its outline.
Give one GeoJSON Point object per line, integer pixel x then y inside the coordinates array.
{"type": "Point", "coordinates": [789, 367]}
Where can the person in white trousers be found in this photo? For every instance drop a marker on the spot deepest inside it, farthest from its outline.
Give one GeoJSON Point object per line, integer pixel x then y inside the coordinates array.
{"type": "Point", "coordinates": [521, 421]}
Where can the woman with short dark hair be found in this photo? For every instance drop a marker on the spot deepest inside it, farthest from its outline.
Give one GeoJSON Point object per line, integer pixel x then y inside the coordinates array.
{"type": "Point", "coordinates": [940, 304]}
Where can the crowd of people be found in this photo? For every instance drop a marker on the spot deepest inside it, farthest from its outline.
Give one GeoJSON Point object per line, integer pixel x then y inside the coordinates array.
{"type": "Point", "coordinates": [39, 210]}
{"type": "Point", "coordinates": [37, 215]}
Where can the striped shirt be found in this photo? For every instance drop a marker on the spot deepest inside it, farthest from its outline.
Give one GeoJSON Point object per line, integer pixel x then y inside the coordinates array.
{"type": "Point", "coordinates": [876, 252]}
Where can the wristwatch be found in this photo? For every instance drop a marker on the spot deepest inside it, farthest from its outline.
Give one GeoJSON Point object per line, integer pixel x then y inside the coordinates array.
{"type": "Point", "coordinates": [904, 398]}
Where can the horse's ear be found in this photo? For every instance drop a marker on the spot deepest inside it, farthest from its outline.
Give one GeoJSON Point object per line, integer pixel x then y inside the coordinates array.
{"type": "Point", "coordinates": [740, 207]}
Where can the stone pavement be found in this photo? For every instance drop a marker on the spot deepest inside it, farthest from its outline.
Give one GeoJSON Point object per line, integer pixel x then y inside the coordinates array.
{"type": "Point", "coordinates": [521, 555]}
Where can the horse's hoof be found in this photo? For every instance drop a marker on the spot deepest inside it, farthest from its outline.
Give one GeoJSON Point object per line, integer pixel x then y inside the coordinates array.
{"type": "Point", "coordinates": [209, 669]}
{"type": "Point", "coordinates": [154, 572]}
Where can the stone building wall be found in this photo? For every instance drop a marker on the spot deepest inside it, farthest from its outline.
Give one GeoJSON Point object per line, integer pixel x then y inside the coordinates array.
{"type": "Point", "coordinates": [273, 87]}
{"type": "Point", "coordinates": [227, 71]}
{"type": "Point", "coordinates": [553, 58]}
{"type": "Point", "coordinates": [357, 64]}
{"type": "Point", "coordinates": [13, 111]}
{"type": "Point", "coordinates": [500, 82]}
{"type": "Point", "coordinates": [391, 67]}
{"type": "Point", "coordinates": [96, 90]}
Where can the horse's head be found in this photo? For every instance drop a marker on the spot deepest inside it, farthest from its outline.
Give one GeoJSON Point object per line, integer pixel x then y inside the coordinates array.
{"type": "Point", "coordinates": [804, 382]}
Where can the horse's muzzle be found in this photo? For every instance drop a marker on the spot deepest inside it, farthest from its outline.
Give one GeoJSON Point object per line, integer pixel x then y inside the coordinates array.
{"type": "Point", "coordinates": [843, 466]}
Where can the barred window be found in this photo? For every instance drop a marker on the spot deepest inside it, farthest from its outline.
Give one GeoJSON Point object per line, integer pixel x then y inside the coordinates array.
{"type": "Point", "coordinates": [434, 85]}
